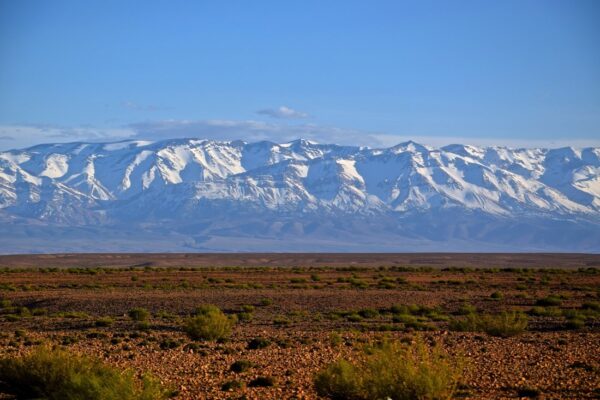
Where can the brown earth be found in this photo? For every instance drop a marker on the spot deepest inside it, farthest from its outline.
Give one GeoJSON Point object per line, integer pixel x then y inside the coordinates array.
{"type": "Point", "coordinates": [314, 316]}
{"type": "Point", "coordinates": [475, 260]}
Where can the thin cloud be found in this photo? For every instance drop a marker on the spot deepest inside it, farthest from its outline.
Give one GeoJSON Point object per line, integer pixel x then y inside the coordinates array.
{"type": "Point", "coordinates": [21, 136]}
{"type": "Point", "coordinates": [440, 141]}
{"type": "Point", "coordinates": [248, 130]}
{"type": "Point", "coordinates": [283, 112]}
{"type": "Point", "coordinates": [30, 135]}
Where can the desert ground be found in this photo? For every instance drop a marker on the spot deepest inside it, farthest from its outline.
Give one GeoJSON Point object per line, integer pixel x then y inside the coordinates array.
{"type": "Point", "coordinates": [296, 313]}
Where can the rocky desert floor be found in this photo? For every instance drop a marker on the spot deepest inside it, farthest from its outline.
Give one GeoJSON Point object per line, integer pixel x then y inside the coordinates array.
{"type": "Point", "coordinates": [309, 310]}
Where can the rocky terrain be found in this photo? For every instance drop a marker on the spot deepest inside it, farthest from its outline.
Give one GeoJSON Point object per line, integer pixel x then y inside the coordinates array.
{"type": "Point", "coordinates": [305, 315]}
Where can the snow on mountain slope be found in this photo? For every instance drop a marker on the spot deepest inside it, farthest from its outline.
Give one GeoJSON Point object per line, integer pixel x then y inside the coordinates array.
{"type": "Point", "coordinates": [402, 178]}
{"type": "Point", "coordinates": [78, 184]}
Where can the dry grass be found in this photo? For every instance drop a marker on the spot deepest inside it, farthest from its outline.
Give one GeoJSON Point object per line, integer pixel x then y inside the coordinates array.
{"type": "Point", "coordinates": [392, 371]}
{"type": "Point", "coordinates": [59, 375]}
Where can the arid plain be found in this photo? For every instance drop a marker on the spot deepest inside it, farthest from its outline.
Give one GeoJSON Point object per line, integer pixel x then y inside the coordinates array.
{"type": "Point", "coordinates": [293, 314]}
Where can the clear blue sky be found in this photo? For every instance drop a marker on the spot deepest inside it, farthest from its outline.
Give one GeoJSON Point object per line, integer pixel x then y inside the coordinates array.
{"type": "Point", "coordinates": [354, 71]}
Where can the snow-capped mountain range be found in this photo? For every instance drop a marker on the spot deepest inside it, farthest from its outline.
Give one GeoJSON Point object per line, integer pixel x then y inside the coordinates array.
{"type": "Point", "coordinates": [203, 195]}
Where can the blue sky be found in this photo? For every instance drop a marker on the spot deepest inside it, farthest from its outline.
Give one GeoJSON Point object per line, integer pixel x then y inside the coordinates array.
{"type": "Point", "coordinates": [364, 72]}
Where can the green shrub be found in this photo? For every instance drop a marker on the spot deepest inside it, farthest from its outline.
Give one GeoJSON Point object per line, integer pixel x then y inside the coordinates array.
{"type": "Point", "coordinates": [56, 375]}
{"type": "Point", "coordinates": [205, 309]}
{"type": "Point", "coordinates": [22, 311]}
{"type": "Point", "coordinates": [368, 313]}
{"type": "Point", "coordinates": [232, 385]}
{"type": "Point", "coordinates": [39, 311]}
{"type": "Point", "coordinates": [575, 323]}
{"type": "Point", "coordinates": [358, 283]}
{"type": "Point", "coordinates": [72, 314]}
{"type": "Point", "coordinates": [262, 381]}
{"type": "Point", "coordinates": [545, 311]}
{"type": "Point", "coordinates": [166, 315]}
{"type": "Point", "coordinates": [104, 321]}
{"type": "Point", "coordinates": [549, 301]}
{"type": "Point", "coordinates": [335, 339]}
{"type": "Point", "coordinates": [68, 340]}
{"type": "Point", "coordinates": [244, 316]}
{"type": "Point", "coordinates": [466, 309]}
{"type": "Point", "coordinates": [241, 366]}
{"type": "Point", "coordinates": [470, 323]}
{"type": "Point", "coordinates": [404, 319]}
{"type": "Point", "coordinates": [209, 323]}
{"type": "Point", "coordinates": [529, 392]}
{"type": "Point", "coordinates": [265, 302]}
{"type": "Point", "coordinates": [143, 326]}
{"type": "Point", "coordinates": [420, 326]}
{"type": "Point", "coordinates": [503, 325]}
{"type": "Point", "coordinates": [248, 308]}
{"type": "Point", "coordinates": [139, 314]}
{"type": "Point", "coordinates": [169, 343]}
{"type": "Point", "coordinates": [258, 343]}
{"type": "Point", "coordinates": [20, 333]}
{"type": "Point", "coordinates": [281, 321]}
{"type": "Point", "coordinates": [591, 305]}
{"type": "Point", "coordinates": [353, 317]}
{"type": "Point", "coordinates": [496, 296]}
{"type": "Point", "coordinates": [392, 371]}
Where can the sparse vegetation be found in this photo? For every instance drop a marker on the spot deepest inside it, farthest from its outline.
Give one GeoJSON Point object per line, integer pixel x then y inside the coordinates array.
{"type": "Point", "coordinates": [549, 301]}
{"type": "Point", "coordinates": [368, 313]}
{"type": "Point", "coordinates": [57, 375]}
{"type": "Point", "coordinates": [104, 322]}
{"type": "Point", "coordinates": [392, 371]}
{"type": "Point", "coordinates": [143, 326]}
{"type": "Point", "coordinates": [335, 339]}
{"type": "Point", "coordinates": [232, 385]}
{"type": "Point", "coordinates": [466, 309]}
{"type": "Point", "coordinates": [265, 302]}
{"type": "Point", "coordinates": [241, 366]}
{"type": "Point", "coordinates": [281, 321]}
{"type": "Point", "coordinates": [575, 323]}
{"type": "Point", "coordinates": [262, 381]}
{"type": "Point", "coordinates": [258, 343]}
{"type": "Point", "coordinates": [496, 296]}
{"type": "Point", "coordinates": [209, 323]}
{"type": "Point", "coordinates": [248, 308]}
{"type": "Point", "coordinates": [244, 316]}
{"type": "Point", "coordinates": [529, 392]}
{"type": "Point", "coordinates": [504, 324]}
{"type": "Point", "coordinates": [139, 314]}
{"type": "Point", "coordinates": [169, 343]}
{"type": "Point", "coordinates": [307, 321]}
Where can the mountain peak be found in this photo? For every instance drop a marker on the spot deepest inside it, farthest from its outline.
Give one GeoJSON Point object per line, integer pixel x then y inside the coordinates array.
{"type": "Point", "coordinates": [410, 146]}
{"type": "Point", "coordinates": [300, 142]}
{"type": "Point", "coordinates": [177, 181]}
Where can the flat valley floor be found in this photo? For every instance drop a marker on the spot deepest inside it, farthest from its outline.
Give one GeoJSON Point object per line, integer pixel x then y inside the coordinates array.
{"type": "Point", "coordinates": [309, 310]}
